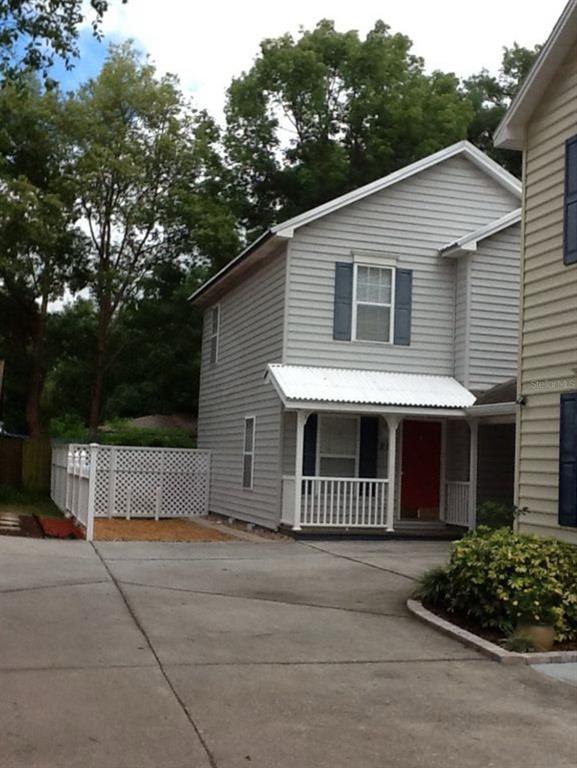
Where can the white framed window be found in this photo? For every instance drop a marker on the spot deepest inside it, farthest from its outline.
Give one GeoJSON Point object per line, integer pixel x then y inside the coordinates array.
{"type": "Point", "coordinates": [214, 332]}
{"type": "Point", "coordinates": [373, 302]}
{"type": "Point", "coordinates": [338, 446]}
{"type": "Point", "coordinates": [248, 452]}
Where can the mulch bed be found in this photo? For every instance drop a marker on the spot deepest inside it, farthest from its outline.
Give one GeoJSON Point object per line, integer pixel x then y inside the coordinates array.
{"type": "Point", "coordinates": [240, 525]}
{"type": "Point", "coordinates": [492, 635]}
{"type": "Point", "coordinates": [155, 530]}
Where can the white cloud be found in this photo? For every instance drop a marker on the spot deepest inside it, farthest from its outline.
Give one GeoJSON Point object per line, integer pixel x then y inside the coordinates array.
{"type": "Point", "coordinates": [208, 43]}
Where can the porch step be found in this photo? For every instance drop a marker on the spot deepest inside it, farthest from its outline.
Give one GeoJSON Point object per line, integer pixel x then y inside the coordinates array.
{"type": "Point", "coordinates": [437, 531]}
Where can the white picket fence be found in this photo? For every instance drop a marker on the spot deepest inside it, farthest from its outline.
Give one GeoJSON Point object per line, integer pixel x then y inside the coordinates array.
{"type": "Point", "coordinates": [90, 481]}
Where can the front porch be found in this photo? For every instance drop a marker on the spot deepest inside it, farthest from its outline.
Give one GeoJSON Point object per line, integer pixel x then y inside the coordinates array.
{"type": "Point", "coordinates": [423, 481]}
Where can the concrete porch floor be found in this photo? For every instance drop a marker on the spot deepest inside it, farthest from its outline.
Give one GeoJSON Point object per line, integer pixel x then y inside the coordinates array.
{"type": "Point", "coordinates": [186, 655]}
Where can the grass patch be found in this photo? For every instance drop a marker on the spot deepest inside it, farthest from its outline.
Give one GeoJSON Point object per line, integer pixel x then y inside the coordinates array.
{"type": "Point", "coordinates": [24, 502]}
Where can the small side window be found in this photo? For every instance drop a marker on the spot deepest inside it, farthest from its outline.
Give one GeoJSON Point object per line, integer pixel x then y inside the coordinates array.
{"type": "Point", "coordinates": [214, 333]}
{"type": "Point", "coordinates": [570, 203]}
{"type": "Point", "coordinates": [248, 452]}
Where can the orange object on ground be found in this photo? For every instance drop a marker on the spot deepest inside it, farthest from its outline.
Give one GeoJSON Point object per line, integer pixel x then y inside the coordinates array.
{"type": "Point", "coordinates": [59, 528]}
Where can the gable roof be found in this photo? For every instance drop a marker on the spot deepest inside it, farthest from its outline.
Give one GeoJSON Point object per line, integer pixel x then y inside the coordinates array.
{"type": "Point", "coordinates": [286, 229]}
{"type": "Point", "coordinates": [469, 241]}
{"type": "Point", "coordinates": [511, 132]}
{"type": "Point", "coordinates": [464, 148]}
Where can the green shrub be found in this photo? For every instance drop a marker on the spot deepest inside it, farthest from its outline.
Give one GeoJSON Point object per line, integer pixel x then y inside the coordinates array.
{"type": "Point", "coordinates": [494, 514]}
{"type": "Point", "coordinates": [500, 578]}
{"type": "Point", "coordinates": [119, 432]}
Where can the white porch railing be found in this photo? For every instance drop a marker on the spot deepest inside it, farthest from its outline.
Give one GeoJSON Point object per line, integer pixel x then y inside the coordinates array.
{"type": "Point", "coordinates": [336, 502]}
{"type": "Point", "coordinates": [457, 502]}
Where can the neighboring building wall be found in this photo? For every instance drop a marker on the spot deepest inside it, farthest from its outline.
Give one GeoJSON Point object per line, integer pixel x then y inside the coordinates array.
{"type": "Point", "coordinates": [548, 354]}
{"type": "Point", "coordinates": [251, 336]}
{"type": "Point", "coordinates": [494, 310]}
{"type": "Point", "coordinates": [409, 222]}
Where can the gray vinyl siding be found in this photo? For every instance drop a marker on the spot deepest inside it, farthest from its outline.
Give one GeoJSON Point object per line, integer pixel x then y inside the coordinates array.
{"type": "Point", "coordinates": [548, 351]}
{"type": "Point", "coordinates": [462, 270]}
{"type": "Point", "coordinates": [251, 336]}
{"type": "Point", "coordinates": [457, 450]}
{"type": "Point", "coordinates": [408, 222]}
{"type": "Point", "coordinates": [494, 310]}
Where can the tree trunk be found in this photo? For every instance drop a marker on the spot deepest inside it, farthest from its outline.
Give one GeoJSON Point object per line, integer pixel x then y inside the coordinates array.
{"type": "Point", "coordinates": [100, 367]}
{"type": "Point", "coordinates": [36, 381]}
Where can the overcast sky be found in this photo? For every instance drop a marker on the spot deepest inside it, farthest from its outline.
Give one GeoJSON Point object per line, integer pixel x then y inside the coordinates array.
{"type": "Point", "coordinates": [208, 43]}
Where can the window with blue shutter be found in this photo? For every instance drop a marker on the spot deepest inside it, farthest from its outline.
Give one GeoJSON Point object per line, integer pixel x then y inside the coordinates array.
{"type": "Point", "coordinates": [310, 446]}
{"type": "Point", "coordinates": [568, 460]}
{"type": "Point", "coordinates": [343, 307]}
{"type": "Point", "coordinates": [369, 446]}
{"type": "Point", "coordinates": [403, 306]}
{"type": "Point", "coordinates": [570, 203]}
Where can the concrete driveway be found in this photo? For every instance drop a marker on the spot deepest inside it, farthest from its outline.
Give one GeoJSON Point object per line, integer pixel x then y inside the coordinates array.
{"type": "Point", "coordinates": [271, 654]}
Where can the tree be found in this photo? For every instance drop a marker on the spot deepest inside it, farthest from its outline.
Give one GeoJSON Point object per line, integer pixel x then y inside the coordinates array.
{"type": "Point", "coordinates": [34, 32]}
{"type": "Point", "coordinates": [491, 95]}
{"type": "Point", "coordinates": [39, 244]}
{"type": "Point", "coordinates": [320, 115]}
{"type": "Point", "coordinates": [133, 150]}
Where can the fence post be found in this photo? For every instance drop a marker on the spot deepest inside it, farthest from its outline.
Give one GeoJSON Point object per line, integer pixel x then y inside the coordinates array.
{"type": "Point", "coordinates": [91, 492]}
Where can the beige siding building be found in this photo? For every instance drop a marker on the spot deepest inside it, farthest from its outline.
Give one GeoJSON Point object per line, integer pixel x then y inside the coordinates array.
{"type": "Point", "coordinates": [542, 122]}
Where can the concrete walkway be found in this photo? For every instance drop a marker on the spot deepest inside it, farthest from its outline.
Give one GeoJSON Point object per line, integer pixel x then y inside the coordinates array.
{"type": "Point", "coordinates": [272, 654]}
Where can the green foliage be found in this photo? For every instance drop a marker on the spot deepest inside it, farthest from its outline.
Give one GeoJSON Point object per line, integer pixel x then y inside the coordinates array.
{"type": "Point", "coordinates": [433, 587]}
{"type": "Point", "coordinates": [490, 96]}
{"type": "Point", "coordinates": [34, 33]}
{"type": "Point", "coordinates": [319, 115]}
{"type": "Point", "coordinates": [119, 432]}
{"type": "Point", "coordinates": [123, 434]}
{"type": "Point", "coordinates": [518, 643]}
{"type": "Point", "coordinates": [500, 579]}
{"type": "Point", "coordinates": [496, 514]}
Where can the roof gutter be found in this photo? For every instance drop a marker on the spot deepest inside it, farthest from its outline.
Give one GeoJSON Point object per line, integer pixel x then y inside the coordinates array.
{"type": "Point", "coordinates": [492, 409]}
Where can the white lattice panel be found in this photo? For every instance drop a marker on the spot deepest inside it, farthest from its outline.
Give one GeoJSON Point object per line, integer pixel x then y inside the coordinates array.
{"type": "Point", "coordinates": [123, 481]}
{"type": "Point", "coordinates": [151, 482]}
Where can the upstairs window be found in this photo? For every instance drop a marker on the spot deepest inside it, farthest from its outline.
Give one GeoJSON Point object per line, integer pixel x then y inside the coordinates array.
{"type": "Point", "coordinates": [373, 303]}
{"type": "Point", "coordinates": [214, 333]}
{"type": "Point", "coordinates": [570, 203]}
{"type": "Point", "coordinates": [248, 452]}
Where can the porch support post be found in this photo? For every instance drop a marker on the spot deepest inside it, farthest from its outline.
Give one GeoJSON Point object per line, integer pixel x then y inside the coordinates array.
{"type": "Point", "coordinates": [473, 467]}
{"type": "Point", "coordinates": [393, 424]}
{"type": "Point", "coordinates": [300, 442]}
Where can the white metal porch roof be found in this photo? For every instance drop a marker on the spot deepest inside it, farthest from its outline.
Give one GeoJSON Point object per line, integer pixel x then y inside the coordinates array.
{"type": "Point", "coordinates": [307, 384]}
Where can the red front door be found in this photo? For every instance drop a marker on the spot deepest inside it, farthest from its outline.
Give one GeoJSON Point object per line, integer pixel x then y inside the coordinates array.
{"type": "Point", "coordinates": [421, 469]}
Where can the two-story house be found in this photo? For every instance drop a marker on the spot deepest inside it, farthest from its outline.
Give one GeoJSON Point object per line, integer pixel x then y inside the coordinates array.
{"type": "Point", "coordinates": [542, 122]}
{"type": "Point", "coordinates": [344, 350]}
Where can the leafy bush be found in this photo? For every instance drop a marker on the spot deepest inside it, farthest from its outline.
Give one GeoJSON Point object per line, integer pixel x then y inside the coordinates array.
{"type": "Point", "coordinates": [120, 433]}
{"type": "Point", "coordinates": [495, 514]}
{"type": "Point", "coordinates": [500, 578]}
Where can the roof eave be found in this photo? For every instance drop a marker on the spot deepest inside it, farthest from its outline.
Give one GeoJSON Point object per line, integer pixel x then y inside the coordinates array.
{"type": "Point", "coordinates": [510, 134]}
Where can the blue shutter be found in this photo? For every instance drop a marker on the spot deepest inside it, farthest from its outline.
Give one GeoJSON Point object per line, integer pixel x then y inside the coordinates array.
{"type": "Point", "coordinates": [570, 203]}
{"type": "Point", "coordinates": [343, 302]}
{"type": "Point", "coordinates": [310, 446]}
{"type": "Point", "coordinates": [369, 446]}
{"type": "Point", "coordinates": [403, 306]}
{"type": "Point", "coordinates": [568, 460]}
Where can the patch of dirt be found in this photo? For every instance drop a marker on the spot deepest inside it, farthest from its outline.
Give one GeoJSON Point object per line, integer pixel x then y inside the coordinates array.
{"type": "Point", "coordinates": [487, 633]}
{"type": "Point", "coordinates": [155, 530]}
